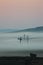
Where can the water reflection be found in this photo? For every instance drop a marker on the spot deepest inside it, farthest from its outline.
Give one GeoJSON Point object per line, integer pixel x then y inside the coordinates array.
{"type": "Point", "coordinates": [23, 38]}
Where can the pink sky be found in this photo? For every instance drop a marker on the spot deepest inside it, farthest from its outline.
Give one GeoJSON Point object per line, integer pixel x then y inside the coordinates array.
{"type": "Point", "coordinates": [21, 13]}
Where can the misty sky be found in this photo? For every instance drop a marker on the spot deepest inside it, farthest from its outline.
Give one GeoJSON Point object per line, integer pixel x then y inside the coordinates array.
{"type": "Point", "coordinates": [21, 13]}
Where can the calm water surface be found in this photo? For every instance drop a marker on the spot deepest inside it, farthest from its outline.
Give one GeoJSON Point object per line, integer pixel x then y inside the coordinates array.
{"type": "Point", "coordinates": [11, 46]}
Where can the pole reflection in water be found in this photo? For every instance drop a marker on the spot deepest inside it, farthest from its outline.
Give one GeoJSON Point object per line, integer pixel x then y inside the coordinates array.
{"type": "Point", "coordinates": [20, 39]}
{"type": "Point", "coordinates": [25, 38]}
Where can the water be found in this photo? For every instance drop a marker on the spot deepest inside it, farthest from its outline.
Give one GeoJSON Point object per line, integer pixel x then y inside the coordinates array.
{"type": "Point", "coordinates": [11, 46]}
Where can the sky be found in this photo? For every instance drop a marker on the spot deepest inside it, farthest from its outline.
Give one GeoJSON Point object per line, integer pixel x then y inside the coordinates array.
{"type": "Point", "coordinates": [21, 13]}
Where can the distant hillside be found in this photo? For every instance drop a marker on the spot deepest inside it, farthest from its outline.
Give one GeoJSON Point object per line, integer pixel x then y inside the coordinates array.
{"type": "Point", "coordinates": [36, 29]}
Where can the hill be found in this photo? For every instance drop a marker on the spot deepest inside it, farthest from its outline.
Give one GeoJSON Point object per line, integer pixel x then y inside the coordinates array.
{"type": "Point", "coordinates": [36, 29]}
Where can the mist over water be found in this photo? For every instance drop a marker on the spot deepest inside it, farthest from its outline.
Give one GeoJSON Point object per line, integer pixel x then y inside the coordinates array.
{"type": "Point", "coordinates": [11, 46]}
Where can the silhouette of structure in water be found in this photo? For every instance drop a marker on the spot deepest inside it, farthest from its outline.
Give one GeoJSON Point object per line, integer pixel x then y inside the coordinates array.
{"type": "Point", "coordinates": [20, 39]}
{"type": "Point", "coordinates": [23, 38]}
